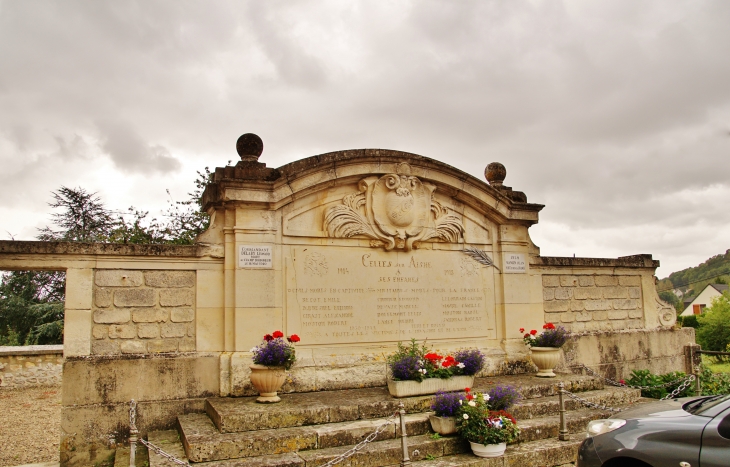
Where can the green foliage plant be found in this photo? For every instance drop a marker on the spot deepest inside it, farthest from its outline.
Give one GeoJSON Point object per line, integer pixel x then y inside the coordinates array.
{"type": "Point", "coordinates": [476, 423]}
{"type": "Point", "coordinates": [714, 330]}
{"type": "Point", "coordinates": [657, 390]}
{"type": "Point", "coordinates": [689, 321]}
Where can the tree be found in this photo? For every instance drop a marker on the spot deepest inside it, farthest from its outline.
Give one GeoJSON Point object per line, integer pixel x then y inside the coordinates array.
{"type": "Point", "coordinates": [32, 302]}
{"type": "Point", "coordinates": [83, 217]}
{"type": "Point", "coordinates": [31, 308]}
{"type": "Point", "coordinates": [714, 330]}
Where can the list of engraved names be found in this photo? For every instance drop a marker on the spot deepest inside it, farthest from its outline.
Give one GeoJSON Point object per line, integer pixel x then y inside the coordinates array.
{"type": "Point", "coordinates": [379, 296]}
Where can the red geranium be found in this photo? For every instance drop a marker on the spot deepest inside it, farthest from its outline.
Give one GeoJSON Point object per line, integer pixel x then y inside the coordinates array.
{"type": "Point", "coordinates": [433, 357]}
{"type": "Point", "coordinates": [533, 332]}
{"type": "Point", "coordinates": [449, 361]}
{"type": "Point", "coordinates": [278, 334]}
{"type": "Point", "coordinates": [522, 330]}
{"type": "Point", "coordinates": [268, 337]}
{"type": "Point", "coordinates": [293, 338]}
{"type": "Point", "coordinates": [548, 326]}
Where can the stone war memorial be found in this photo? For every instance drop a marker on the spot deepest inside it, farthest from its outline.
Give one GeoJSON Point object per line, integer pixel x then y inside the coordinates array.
{"type": "Point", "coordinates": [353, 251]}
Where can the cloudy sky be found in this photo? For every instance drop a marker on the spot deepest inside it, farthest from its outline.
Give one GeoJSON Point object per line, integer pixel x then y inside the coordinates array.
{"type": "Point", "coordinates": [614, 114]}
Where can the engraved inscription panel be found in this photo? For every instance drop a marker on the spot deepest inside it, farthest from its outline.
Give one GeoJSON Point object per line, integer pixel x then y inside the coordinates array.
{"type": "Point", "coordinates": [374, 296]}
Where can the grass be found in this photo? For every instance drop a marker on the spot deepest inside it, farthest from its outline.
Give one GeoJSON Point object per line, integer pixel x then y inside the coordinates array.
{"type": "Point", "coordinates": [714, 365]}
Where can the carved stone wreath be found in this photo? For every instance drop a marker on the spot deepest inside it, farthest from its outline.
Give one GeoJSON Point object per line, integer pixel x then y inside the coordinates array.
{"type": "Point", "coordinates": [395, 211]}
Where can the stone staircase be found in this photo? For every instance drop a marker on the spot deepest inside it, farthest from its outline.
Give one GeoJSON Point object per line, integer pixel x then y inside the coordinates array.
{"type": "Point", "coordinates": [310, 429]}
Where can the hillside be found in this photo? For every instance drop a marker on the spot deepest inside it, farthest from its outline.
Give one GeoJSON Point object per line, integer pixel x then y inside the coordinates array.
{"type": "Point", "coordinates": [687, 283]}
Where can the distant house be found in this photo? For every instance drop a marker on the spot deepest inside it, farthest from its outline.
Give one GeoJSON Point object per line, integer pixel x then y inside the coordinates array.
{"type": "Point", "coordinates": [696, 306]}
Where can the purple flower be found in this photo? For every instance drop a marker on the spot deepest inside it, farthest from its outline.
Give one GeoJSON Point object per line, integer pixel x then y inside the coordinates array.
{"type": "Point", "coordinates": [472, 359]}
{"type": "Point", "coordinates": [503, 397]}
{"type": "Point", "coordinates": [406, 368]}
{"type": "Point", "coordinates": [274, 352]}
{"type": "Point", "coordinates": [446, 404]}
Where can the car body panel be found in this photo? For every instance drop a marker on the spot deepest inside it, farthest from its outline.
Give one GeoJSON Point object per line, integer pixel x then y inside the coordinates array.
{"type": "Point", "coordinates": [662, 434]}
{"type": "Point", "coordinates": [716, 442]}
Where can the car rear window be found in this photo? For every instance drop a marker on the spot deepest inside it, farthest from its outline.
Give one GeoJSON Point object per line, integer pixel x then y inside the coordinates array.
{"type": "Point", "coordinates": [707, 406]}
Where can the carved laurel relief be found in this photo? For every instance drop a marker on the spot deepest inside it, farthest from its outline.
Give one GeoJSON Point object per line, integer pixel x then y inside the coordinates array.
{"type": "Point", "coordinates": [395, 211]}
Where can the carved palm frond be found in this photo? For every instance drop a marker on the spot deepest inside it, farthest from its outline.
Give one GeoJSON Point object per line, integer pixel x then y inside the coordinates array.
{"type": "Point", "coordinates": [447, 226]}
{"type": "Point", "coordinates": [354, 200]}
{"type": "Point", "coordinates": [344, 222]}
{"type": "Point", "coordinates": [480, 256]}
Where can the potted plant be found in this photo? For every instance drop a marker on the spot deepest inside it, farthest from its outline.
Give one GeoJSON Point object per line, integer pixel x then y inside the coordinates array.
{"type": "Point", "coordinates": [445, 406]}
{"type": "Point", "coordinates": [488, 431]}
{"type": "Point", "coordinates": [503, 397]}
{"type": "Point", "coordinates": [545, 348]}
{"type": "Point", "coordinates": [415, 370]}
{"type": "Point", "coordinates": [271, 359]}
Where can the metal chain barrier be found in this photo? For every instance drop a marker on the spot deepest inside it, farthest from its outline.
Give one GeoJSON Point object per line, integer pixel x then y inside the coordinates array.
{"type": "Point", "coordinates": [133, 440]}
{"type": "Point", "coordinates": [624, 385]}
{"type": "Point", "coordinates": [683, 384]}
{"type": "Point", "coordinates": [370, 438]}
{"type": "Point", "coordinates": [350, 452]}
{"type": "Point", "coordinates": [159, 451]}
{"type": "Point", "coordinates": [590, 404]}
{"type": "Point", "coordinates": [688, 380]}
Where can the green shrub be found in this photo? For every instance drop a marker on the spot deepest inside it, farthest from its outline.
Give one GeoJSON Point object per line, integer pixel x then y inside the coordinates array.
{"type": "Point", "coordinates": [647, 378]}
{"type": "Point", "coordinates": [714, 330]}
{"type": "Point", "coordinates": [689, 321]}
{"type": "Point", "coordinates": [714, 383]}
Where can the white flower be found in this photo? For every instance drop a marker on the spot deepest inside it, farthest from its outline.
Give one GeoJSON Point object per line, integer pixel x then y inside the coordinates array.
{"type": "Point", "coordinates": [461, 365]}
{"type": "Point", "coordinates": [486, 397]}
{"type": "Point", "coordinates": [459, 401]}
{"type": "Point", "coordinates": [466, 417]}
{"type": "Point", "coordinates": [472, 404]}
{"type": "Point", "coordinates": [253, 350]}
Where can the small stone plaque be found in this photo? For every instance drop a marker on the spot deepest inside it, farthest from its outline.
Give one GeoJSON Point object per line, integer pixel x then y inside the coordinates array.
{"type": "Point", "coordinates": [255, 257]}
{"type": "Point", "coordinates": [514, 263]}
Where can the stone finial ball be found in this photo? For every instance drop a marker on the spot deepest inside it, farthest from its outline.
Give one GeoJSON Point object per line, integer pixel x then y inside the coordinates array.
{"type": "Point", "coordinates": [249, 146]}
{"type": "Point", "coordinates": [495, 173]}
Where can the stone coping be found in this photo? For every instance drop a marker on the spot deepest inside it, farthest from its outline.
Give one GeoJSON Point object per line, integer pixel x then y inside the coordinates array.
{"type": "Point", "coordinates": [634, 261]}
{"type": "Point", "coordinates": [79, 248]}
{"type": "Point", "coordinates": [22, 350]}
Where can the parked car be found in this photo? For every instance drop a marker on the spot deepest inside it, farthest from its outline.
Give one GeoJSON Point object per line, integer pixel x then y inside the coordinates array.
{"type": "Point", "coordinates": [686, 432]}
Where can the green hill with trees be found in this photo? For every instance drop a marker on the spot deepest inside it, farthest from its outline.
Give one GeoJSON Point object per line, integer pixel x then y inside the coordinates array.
{"type": "Point", "coordinates": [691, 281]}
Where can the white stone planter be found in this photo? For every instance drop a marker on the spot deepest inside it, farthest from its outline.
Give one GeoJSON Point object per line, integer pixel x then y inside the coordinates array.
{"type": "Point", "coordinates": [488, 450]}
{"type": "Point", "coordinates": [429, 386]}
{"type": "Point", "coordinates": [545, 358]}
{"type": "Point", "coordinates": [267, 381]}
{"type": "Point", "coordinates": [443, 425]}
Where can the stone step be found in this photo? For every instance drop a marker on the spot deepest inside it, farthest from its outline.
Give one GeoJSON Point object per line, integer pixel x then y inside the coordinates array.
{"type": "Point", "coordinates": [536, 444]}
{"type": "Point", "coordinates": [550, 405]}
{"type": "Point", "coordinates": [170, 442]}
{"type": "Point", "coordinates": [232, 415]}
{"type": "Point", "coordinates": [204, 443]}
{"type": "Point", "coordinates": [543, 453]}
{"type": "Point", "coordinates": [537, 417]}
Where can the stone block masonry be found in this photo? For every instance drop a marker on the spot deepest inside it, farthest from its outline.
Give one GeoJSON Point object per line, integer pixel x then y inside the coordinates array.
{"type": "Point", "coordinates": [593, 302]}
{"type": "Point", "coordinates": [34, 365]}
{"type": "Point", "coordinates": [143, 312]}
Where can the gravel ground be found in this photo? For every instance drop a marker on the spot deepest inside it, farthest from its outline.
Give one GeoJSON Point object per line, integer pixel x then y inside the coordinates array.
{"type": "Point", "coordinates": [30, 425]}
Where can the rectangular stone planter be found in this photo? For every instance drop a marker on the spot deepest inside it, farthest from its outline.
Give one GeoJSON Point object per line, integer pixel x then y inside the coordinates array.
{"type": "Point", "coordinates": [429, 386]}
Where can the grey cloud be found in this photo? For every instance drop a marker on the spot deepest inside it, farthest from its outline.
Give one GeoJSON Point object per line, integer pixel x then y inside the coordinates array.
{"type": "Point", "coordinates": [131, 153]}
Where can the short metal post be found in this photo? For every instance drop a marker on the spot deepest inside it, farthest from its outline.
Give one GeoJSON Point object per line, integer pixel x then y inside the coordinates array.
{"type": "Point", "coordinates": [698, 384]}
{"type": "Point", "coordinates": [563, 433]}
{"type": "Point", "coordinates": [133, 433]}
{"type": "Point", "coordinates": [404, 436]}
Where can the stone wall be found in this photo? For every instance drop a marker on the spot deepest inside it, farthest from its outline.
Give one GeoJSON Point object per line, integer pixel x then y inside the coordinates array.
{"type": "Point", "coordinates": [593, 302]}
{"type": "Point", "coordinates": [35, 365]}
{"type": "Point", "coordinates": [143, 312]}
